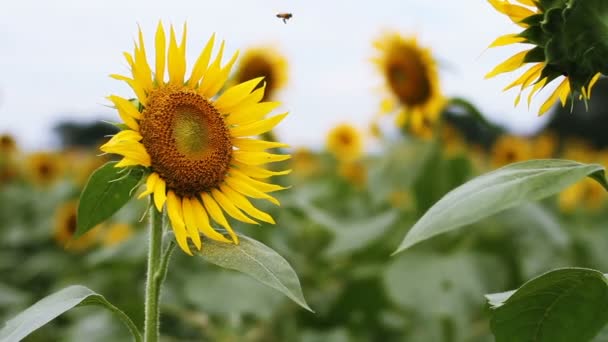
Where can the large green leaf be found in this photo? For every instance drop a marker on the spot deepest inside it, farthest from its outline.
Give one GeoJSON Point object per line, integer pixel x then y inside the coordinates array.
{"type": "Point", "coordinates": [496, 191]}
{"type": "Point", "coordinates": [569, 304]}
{"type": "Point", "coordinates": [54, 305]}
{"type": "Point", "coordinates": [258, 261]}
{"type": "Point", "coordinates": [108, 190]}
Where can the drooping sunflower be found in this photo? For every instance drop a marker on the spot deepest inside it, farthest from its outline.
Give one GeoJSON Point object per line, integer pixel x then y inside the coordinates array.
{"type": "Point", "coordinates": [264, 62]}
{"type": "Point", "coordinates": [199, 147]}
{"type": "Point", "coordinates": [345, 142]}
{"type": "Point", "coordinates": [549, 55]}
{"type": "Point", "coordinates": [412, 79]}
{"type": "Point", "coordinates": [43, 168]}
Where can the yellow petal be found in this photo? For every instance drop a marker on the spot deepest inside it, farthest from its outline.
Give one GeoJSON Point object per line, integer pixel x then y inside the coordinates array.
{"type": "Point", "coordinates": [216, 213]}
{"type": "Point", "coordinates": [150, 183]}
{"type": "Point", "coordinates": [137, 88]}
{"type": "Point", "coordinates": [527, 77]}
{"type": "Point", "coordinates": [229, 207]}
{"type": "Point", "coordinates": [554, 96]}
{"type": "Point", "coordinates": [506, 40]}
{"type": "Point", "coordinates": [248, 190]}
{"type": "Point", "coordinates": [176, 61]}
{"type": "Point", "coordinates": [175, 216]}
{"type": "Point", "coordinates": [253, 98]}
{"type": "Point", "coordinates": [388, 106]}
{"type": "Point", "coordinates": [190, 222]}
{"type": "Point", "coordinates": [212, 71]}
{"type": "Point", "coordinates": [125, 107]}
{"type": "Point", "coordinates": [216, 83]}
{"type": "Point", "coordinates": [258, 172]}
{"type": "Point", "coordinates": [258, 127]}
{"type": "Point", "coordinates": [265, 187]}
{"type": "Point", "coordinates": [161, 47]}
{"type": "Point", "coordinates": [252, 113]}
{"type": "Point", "coordinates": [160, 194]}
{"type": "Point", "coordinates": [124, 162]}
{"type": "Point", "coordinates": [592, 83]}
{"type": "Point", "coordinates": [236, 94]}
{"type": "Point", "coordinates": [258, 158]}
{"type": "Point", "coordinates": [249, 144]}
{"type": "Point", "coordinates": [537, 86]}
{"type": "Point", "coordinates": [201, 64]}
{"type": "Point", "coordinates": [242, 203]}
{"type": "Point", "coordinates": [124, 135]}
{"type": "Point", "coordinates": [512, 63]}
{"type": "Point", "coordinates": [144, 73]}
{"type": "Point", "coordinates": [202, 222]}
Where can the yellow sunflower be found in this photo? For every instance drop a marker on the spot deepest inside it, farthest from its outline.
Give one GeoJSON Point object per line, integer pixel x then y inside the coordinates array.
{"type": "Point", "coordinates": [354, 172]}
{"type": "Point", "coordinates": [8, 145]}
{"type": "Point", "coordinates": [199, 147]}
{"type": "Point", "coordinates": [412, 79]}
{"type": "Point", "coordinates": [544, 145]}
{"type": "Point", "coordinates": [526, 13]}
{"type": "Point", "coordinates": [44, 168]}
{"type": "Point", "coordinates": [345, 142]}
{"type": "Point", "coordinates": [510, 149]}
{"type": "Point", "coordinates": [264, 62]}
{"type": "Point", "coordinates": [65, 227]}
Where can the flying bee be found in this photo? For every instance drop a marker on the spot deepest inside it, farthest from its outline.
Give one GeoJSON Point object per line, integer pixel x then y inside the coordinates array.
{"type": "Point", "coordinates": [284, 16]}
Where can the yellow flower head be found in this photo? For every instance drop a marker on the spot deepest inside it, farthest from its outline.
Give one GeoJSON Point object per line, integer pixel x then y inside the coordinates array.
{"type": "Point", "coordinates": [65, 227]}
{"type": "Point", "coordinates": [44, 168]}
{"type": "Point", "coordinates": [8, 145]}
{"type": "Point", "coordinates": [345, 142]}
{"type": "Point", "coordinates": [510, 149]}
{"type": "Point", "coordinates": [264, 62]}
{"type": "Point", "coordinates": [544, 146]}
{"type": "Point", "coordinates": [411, 76]}
{"type": "Point", "coordinates": [199, 147]}
{"type": "Point", "coordinates": [529, 15]}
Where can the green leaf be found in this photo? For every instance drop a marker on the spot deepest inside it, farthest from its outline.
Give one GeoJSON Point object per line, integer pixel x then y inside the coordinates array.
{"type": "Point", "coordinates": [496, 191]}
{"type": "Point", "coordinates": [258, 261]}
{"type": "Point", "coordinates": [569, 304]}
{"type": "Point", "coordinates": [108, 190]}
{"type": "Point", "coordinates": [54, 305]}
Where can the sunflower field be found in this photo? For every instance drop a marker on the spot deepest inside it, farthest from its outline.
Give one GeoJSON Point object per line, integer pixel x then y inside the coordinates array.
{"type": "Point", "coordinates": [186, 217]}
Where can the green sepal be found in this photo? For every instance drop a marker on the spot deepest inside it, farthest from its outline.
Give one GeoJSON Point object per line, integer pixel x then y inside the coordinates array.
{"type": "Point", "coordinates": [534, 35]}
{"type": "Point", "coordinates": [536, 55]}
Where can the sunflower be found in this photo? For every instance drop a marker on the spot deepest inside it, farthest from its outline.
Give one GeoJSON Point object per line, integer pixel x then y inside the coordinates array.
{"type": "Point", "coordinates": [531, 15]}
{"type": "Point", "coordinates": [544, 145]}
{"type": "Point", "coordinates": [198, 147]}
{"type": "Point", "coordinates": [44, 168]}
{"type": "Point", "coordinates": [345, 142]}
{"type": "Point", "coordinates": [65, 227]}
{"type": "Point", "coordinates": [8, 145]}
{"type": "Point", "coordinates": [264, 62]}
{"type": "Point", "coordinates": [412, 79]}
{"type": "Point", "coordinates": [510, 149]}
{"type": "Point", "coordinates": [354, 172]}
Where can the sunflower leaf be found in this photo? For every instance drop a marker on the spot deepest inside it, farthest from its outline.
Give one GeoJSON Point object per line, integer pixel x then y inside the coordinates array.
{"type": "Point", "coordinates": [258, 261]}
{"type": "Point", "coordinates": [108, 189]}
{"type": "Point", "coordinates": [496, 191]}
{"type": "Point", "coordinates": [54, 305]}
{"type": "Point", "coordinates": [538, 310]}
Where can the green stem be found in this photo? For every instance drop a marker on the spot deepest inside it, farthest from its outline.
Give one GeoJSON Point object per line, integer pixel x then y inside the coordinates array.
{"type": "Point", "coordinates": [154, 277]}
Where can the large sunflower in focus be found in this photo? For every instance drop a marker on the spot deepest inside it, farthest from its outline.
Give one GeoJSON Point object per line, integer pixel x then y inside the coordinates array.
{"type": "Point", "coordinates": [200, 148]}
{"type": "Point", "coordinates": [547, 63]}
{"type": "Point", "coordinates": [264, 62]}
{"type": "Point", "coordinates": [412, 79]}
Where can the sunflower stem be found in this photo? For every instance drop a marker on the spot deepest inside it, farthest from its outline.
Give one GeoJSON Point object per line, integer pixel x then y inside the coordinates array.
{"type": "Point", "coordinates": [154, 277]}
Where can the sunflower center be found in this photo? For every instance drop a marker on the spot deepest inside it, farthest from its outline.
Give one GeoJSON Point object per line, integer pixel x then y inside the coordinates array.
{"type": "Point", "coordinates": [187, 139]}
{"type": "Point", "coordinates": [345, 138]}
{"type": "Point", "coordinates": [408, 78]}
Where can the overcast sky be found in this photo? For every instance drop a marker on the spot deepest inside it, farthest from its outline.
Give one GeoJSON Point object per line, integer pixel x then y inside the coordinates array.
{"type": "Point", "coordinates": [57, 55]}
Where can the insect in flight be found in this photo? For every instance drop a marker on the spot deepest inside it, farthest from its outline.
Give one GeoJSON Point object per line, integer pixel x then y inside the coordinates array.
{"type": "Point", "coordinates": [284, 16]}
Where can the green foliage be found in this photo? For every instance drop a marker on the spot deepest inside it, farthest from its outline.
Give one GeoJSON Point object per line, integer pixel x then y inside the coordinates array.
{"type": "Point", "coordinates": [54, 305]}
{"type": "Point", "coordinates": [108, 190]}
{"type": "Point", "coordinates": [504, 188]}
{"type": "Point", "coordinates": [569, 304]}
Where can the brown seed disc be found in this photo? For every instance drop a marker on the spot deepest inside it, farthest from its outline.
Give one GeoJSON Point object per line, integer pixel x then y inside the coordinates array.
{"type": "Point", "coordinates": [187, 139]}
{"type": "Point", "coordinates": [408, 76]}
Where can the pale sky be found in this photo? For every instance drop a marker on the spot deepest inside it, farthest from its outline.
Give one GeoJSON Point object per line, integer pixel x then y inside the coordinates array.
{"type": "Point", "coordinates": [57, 55]}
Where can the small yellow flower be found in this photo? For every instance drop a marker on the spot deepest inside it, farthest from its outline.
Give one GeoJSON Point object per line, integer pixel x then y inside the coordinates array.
{"type": "Point", "coordinates": [411, 77]}
{"type": "Point", "coordinates": [44, 168]}
{"type": "Point", "coordinates": [354, 172]}
{"type": "Point", "coordinates": [199, 147]}
{"type": "Point", "coordinates": [65, 227]}
{"type": "Point", "coordinates": [345, 142]}
{"type": "Point", "coordinates": [265, 62]}
{"type": "Point", "coordinates": [526, 13]}
{"type": "Point", "coordinates": [510, 149]}
{"type": "Point", "coordinates": [116, 233]}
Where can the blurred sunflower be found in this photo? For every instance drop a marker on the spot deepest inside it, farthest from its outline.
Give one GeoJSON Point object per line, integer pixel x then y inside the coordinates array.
{"type": "Point", "coordinates": [345, 142]}
{"type": "Point", "coordinates": [411, 77]}
{"type": "Point", "coordinates": [43, 168]}
{"type": "Point", "coordinates": [305, 163]}
{"type": "Point", "coordinates": [510, 149]}
{"type": "Point", "coordinates": [264, 62]}
{"type": "Point", "coordinates": [65, 227]}
{"type": "Point", "coordinates": [116, 233]}
{"type": "Point", "coordinates": [550, 55]}
{"type": "Point", "coordinates": [354, 172]}
{"type": "Point", "coordinates": [544, 145]}
{"type": "Point", "coordinates": [199, 149]}
{"type": "Point", "coordinates": [587, 193]}
{"type": "Point", "coordinates": [8, 145]}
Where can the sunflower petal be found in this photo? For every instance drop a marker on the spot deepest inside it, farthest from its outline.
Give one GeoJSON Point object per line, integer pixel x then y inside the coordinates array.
{"type": "Point", "coordinates": [243, 203]}
{"type": "Point", "coordinates": [160, 194]}
{"type": "Point", "coordinates": [244, 188]}
{"type": "Point", "coordinates": [216, 214]}
{"type": "Point", "coordinates": [506, 39]}
{"type": "Point", "coordinates": [265, 187]}
{"type": "Point", "coordinates": [537, 86]}
{"type": "Point", "coordinates": [212, 71]}
{"type": "Point", "coordinates": [249, 144]}
{"type": "Point", "coordinates": [125, 107]}
{"type": "Point", "coordinates": [258, 172]}
{"type": "Point", "coordinates": [253, 98]}
{"type": "Point", "coordinates": [150, 183]}
{"type": "Point", "coordinates": [144, 73]}
{"type": "Point", "coordinates": [190, 222]}
{"type": "Point", "coordinates": [202, 222]}
{"type": "Point", "coordinates": [217, 83]}
{"type": "Point", "coordinates": [174, 209]}
{"type": "Point", "coordinates": [592, 83]}
{"type": "Point", "coordinates": [512, 63]}
{"type": "Point", "coordinates": [176, 61]}
{"type": "Point", "coordinates": [228, 207]}
{"type": "Point", "coordinates": [236, 94]}
{"type": "Point", "coordinates": [258, 127]}
{"type": "Point", "coordinates": [137, 88]}
{"type": "Point", "coordinates": [201, 64]}
{"type": "Point", "coordinates": [554, 96]}
{"type": "Point", "coordinates": [252, 113]}
{"type": "Point", "coordinates": [527, 77]}
{"type": "Point", "coordinates": [258, 158]}
{"type": "Point", "coordinates": [161, 46]}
